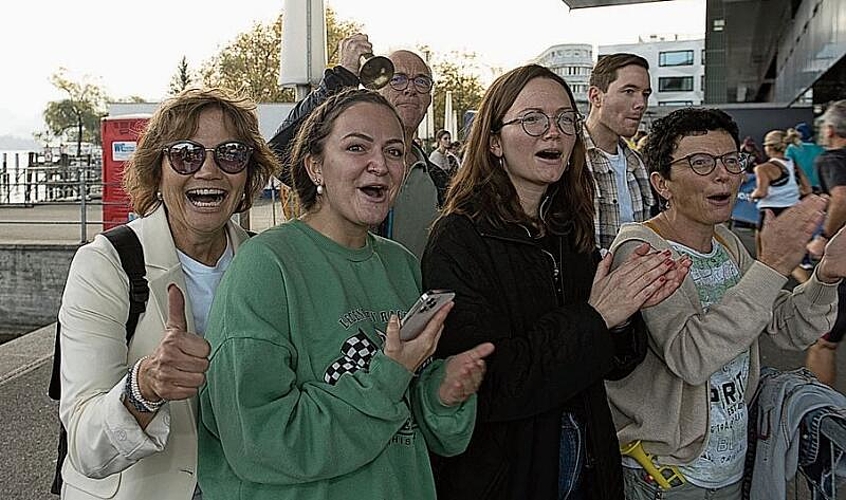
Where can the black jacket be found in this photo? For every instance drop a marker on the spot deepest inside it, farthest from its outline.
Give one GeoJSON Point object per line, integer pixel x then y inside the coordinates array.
{"type": "Point", "coordinates": [553, 352]}
{"type": "Point", "coordinates": [334, 80]}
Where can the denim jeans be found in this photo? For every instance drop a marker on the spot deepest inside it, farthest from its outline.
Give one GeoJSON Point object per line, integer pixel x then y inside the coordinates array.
{"type": "Point", "coordinates": [637, 487]}
{"type": "Point", "coordinates": [571, 458]}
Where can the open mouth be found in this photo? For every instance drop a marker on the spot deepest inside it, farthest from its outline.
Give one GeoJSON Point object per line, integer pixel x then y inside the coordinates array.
{"type": "Point", "coordinates": [206, 197]}
{"type": "Point", "coordinates": [375, 192]}
{"type": "Point", "coordinates": [549, 154]}
{"type": "Point", "coordinates": [720, 198]}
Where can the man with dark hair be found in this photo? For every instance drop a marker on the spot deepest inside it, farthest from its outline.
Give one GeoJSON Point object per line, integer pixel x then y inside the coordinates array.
{"type": "Point", "coordinates": [831, 167]}
{"type": "Point", "coordinates": [410, 91]}
{"type": "Point", "coordinates": [618, 94]}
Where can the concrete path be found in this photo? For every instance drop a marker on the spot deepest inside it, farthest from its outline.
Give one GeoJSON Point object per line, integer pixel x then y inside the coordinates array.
{"type": "Point", "coordinates": [60, 223]}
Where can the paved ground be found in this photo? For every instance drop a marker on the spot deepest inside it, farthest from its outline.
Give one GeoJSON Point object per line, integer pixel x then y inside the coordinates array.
{"type": "Point", "coordinates": [61, 223]}
{"type": "Point", "coordinates": [28, 433]}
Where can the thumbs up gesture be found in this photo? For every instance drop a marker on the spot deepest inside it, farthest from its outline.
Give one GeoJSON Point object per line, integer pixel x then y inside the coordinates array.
{"type": "Point", "coordinates": [176, 368]}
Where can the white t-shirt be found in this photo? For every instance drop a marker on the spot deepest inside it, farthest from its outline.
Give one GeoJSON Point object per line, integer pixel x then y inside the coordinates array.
{"type": "Point", "coordinates": [202, 281]}
{"type": "Point", "coordinates": [624, 197]}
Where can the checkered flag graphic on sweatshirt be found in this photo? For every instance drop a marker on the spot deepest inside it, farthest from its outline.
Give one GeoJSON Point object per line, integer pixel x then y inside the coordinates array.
{"type": "Point", "coordinates": [357, 352]}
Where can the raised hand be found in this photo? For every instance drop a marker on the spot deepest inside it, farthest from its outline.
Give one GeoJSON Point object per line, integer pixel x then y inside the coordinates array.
{"type": "Point", "coordinates": [784, 238]}
{"type": "Point", "coordinates": [832, 267]}
{"type": "Point", "coordinates": [464, 374]}
{"type": "Point", "coordinates": [618, 294]}
{"type": "Point", "coordinates": [412, 353]}
{"type": "Point", "coordinates": [350, 51]}
{"type": "Point", "coordinates": [176, 368]}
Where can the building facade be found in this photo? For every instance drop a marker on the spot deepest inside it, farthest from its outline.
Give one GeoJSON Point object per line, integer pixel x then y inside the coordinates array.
{"type": "Point", "coordinates": [572, 62]}
{"type": "Point", "coordinates": [676, 67]}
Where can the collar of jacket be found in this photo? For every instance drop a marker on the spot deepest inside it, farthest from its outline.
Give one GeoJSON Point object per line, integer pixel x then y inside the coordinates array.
{"type": "Point", "coordinates": [518, 232]}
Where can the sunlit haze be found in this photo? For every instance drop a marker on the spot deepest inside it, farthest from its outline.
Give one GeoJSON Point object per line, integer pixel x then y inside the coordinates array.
{"type": "Point", "coordinates": [134, 49]}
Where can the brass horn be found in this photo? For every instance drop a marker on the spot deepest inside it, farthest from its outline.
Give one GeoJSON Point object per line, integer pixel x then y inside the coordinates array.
{"type": "Point", "coordinates": [376, 71]}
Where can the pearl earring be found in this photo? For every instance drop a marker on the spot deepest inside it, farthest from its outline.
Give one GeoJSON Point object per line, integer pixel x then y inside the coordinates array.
{"type": "Point", "coordinates": [159, 195]}
{"type": "Point", "coordinates": [319, 189]}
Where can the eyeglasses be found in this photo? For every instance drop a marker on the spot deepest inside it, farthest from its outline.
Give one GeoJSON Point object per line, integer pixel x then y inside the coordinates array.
{"type": "Point", "coordinates": [422, 83]}
{"type": "Point", "coordinates": [536, 123]}
{"type": "Point", "coordinates": [186, 157]}
{"type": "Point", "coordinates": [704, 164]}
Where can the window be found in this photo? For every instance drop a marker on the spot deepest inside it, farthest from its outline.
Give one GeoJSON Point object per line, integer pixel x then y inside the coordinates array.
{"type": "Point", "coordinates": [676, 58]}
{"type": "Point", "coordinates": [675, 84]}
{"type": "Point", "coordinates": [702, 83]}
{"type": "Point", "coordinates": [703, 57]}
{"type": "Point", "coordinates": [675, 103]}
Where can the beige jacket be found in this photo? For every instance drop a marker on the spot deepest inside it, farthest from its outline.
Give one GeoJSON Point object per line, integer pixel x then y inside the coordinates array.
{"type": "Point", "coordinates": [109, 455]}
{"type": "Point", "coordinates": [664, 402]}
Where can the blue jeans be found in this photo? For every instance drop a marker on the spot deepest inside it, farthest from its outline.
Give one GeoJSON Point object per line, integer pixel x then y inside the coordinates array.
{"type": "Point", "coordinates": [571, 458]}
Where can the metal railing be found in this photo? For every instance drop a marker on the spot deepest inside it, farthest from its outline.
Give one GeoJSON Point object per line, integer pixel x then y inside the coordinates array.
{"type": "Point", "coordinates": [68, 181]}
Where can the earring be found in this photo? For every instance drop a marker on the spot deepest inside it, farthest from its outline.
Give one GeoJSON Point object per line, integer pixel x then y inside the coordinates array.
{"type": "Point", "coordinates": [319, 188]}
{"type": "Point", "coordinates": [501, 162]}
{"type": "Point", "coordinates": [159, 195]}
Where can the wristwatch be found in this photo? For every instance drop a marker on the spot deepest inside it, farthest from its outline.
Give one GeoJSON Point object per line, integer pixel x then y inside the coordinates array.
{"type": "Point", "coordinates": [132, 392]}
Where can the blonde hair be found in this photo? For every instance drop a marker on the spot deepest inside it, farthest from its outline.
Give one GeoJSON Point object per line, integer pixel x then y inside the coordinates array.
{"type": "Point", "coordinates": [778, 140]}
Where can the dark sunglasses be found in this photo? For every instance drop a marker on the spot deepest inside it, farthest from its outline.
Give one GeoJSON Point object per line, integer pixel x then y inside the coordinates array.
{"type": "Point", "coordinates": [186, 157]}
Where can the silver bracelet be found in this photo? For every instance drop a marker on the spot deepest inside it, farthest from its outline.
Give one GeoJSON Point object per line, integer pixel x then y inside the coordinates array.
{"type": "Point", "coordinates": [136, 399]}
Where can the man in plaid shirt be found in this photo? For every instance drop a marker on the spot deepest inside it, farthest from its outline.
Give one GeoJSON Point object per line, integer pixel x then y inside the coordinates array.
{"type": "Point", "coordinates": [618, 94]}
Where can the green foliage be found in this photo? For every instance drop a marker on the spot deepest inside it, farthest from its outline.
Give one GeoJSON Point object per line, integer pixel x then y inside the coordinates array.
{"type": "Point", "coordinates": [181, 80]}
{"type": "Point", "coordinates": [85, 104]}
{"type": "Point", "coordinates": [337, 30]}
{"type": "Point", "coordinates": [250, 63]}
{"type": "Point", "coordinates": [459, 73]}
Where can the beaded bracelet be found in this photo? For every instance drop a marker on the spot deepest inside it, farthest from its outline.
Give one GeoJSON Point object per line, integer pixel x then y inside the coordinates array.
{"type": "Point", "coordinates": [132, 391]}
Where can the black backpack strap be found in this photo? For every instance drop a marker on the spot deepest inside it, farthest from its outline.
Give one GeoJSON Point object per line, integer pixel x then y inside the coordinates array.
{"type": "Point", "coordinates": [131, 255]}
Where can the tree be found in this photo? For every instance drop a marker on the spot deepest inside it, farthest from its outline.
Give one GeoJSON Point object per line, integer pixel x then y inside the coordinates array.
{"type": "Point", "coordinates": [337, 30]}
{"type": "Point", "coordinates": [251, 62]}
{"type": "Point", "coordinates": [182, 79]}
{"type": "Point", "coordinates": [82, 110]}
{"type": "Point", "coordinates": [459, 73]}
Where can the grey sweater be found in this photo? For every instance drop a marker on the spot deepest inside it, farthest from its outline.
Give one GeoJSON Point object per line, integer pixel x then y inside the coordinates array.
{"type": "Point", "coordinates": [664, 401]}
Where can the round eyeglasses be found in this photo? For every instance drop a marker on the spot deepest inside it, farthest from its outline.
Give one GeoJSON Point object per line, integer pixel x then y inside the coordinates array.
{"type": "Point", "coordinates": [536, 123]}
{"type": "Point", "coordinates": [186, 157]}
{"type": "Point", "coordinates": [422, 83]}
{"type": "Point", "coordinates": [704, 163]}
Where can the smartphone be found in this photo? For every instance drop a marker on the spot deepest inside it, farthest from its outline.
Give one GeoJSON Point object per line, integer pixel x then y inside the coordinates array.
{"type": "Point", "coordinates": [416, 319]}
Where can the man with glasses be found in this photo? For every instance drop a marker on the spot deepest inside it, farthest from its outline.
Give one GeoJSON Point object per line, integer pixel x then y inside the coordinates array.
{"type": "Point", "coordinates": [618, 94]}
{"type": "Point", "coordinates": [410, 91]}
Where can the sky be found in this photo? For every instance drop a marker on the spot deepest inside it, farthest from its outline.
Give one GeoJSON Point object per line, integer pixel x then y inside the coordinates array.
{"type": "Point", "coordinates": [135, 51]}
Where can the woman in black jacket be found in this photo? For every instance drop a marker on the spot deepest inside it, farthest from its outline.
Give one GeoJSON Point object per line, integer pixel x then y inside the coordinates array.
{"type": "Point", "coordinates": [516, 244]}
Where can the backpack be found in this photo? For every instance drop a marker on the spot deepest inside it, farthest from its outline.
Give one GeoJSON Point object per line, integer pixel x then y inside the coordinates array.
{"type": "Point", "coordinates": [131, 254]}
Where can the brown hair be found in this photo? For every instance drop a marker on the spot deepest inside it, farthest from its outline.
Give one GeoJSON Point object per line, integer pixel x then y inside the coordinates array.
{"type": "Point", "coordinates": [605, 71]}
{"type": "Point", "coordinates": [481, 189]}
{"type": "Point", "coordinates": [311, 137]}
{"type": "Point", "coordinates": [178, 118]}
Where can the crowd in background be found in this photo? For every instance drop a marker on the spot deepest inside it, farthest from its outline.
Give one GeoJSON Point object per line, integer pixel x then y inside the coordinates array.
{"type": "Point", "coordinates": [602, 342]}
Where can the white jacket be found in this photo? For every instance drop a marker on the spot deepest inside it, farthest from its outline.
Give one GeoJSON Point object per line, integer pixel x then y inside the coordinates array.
{"type": "Point", "coordinates": [109, 455]}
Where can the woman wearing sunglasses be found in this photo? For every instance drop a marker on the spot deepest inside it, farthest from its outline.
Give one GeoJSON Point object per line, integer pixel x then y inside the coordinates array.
{"type": "Point", "coordinates": [516, 244]}
{"type": "Point", "coordinates": [130, 409]}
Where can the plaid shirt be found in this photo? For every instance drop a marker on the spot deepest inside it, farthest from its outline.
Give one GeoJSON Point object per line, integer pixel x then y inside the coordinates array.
{"type": "Point", "coordinates": [606, 211]}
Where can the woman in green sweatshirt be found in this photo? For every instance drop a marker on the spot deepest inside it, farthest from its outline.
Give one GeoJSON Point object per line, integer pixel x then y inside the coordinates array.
{"type": "Point", "coordinates": [310, 393]}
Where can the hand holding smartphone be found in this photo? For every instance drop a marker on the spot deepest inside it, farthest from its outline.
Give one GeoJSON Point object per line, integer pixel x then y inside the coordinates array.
{"type": "Point", "coordinates": [416, 319]}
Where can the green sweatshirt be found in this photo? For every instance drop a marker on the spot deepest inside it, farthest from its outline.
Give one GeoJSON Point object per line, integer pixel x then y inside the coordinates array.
{"type": "Point", "coordinates": [300, 402]}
